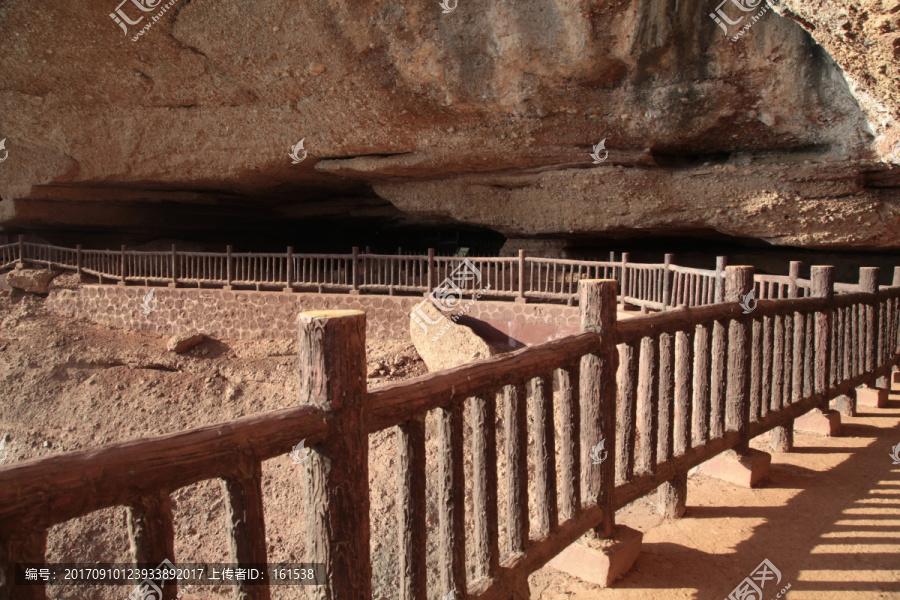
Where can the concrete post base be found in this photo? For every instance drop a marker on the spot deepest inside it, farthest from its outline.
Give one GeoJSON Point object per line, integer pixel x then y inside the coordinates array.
{"type": "Point", "coordinates": [846, 405]}
{"type": "Point", "coordinates": [872, 397]}
{"type": "Point", "coordinates": [354, 292]}
{"type": "Point", "coordinates": [601, 565]}
{"type": "Point", "coordinates": [288, 290]}
{"type": "Point", "coordinates": [521, 300]}
{"type": "Point", "coordinates": [746, 470]}
{"type": "Point", "coordinates": [122, 283]}
{"type": "Point", "coordinates": [175, 285]}
{"type": "Point", "coordinates": [820, 423]}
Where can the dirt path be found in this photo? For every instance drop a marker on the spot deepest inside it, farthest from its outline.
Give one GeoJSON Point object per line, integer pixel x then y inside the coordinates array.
{"type": "Point", "coordinates": [828, 519]}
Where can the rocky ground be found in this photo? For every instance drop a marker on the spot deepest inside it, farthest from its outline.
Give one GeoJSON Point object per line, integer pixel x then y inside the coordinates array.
{"type": "Point", "coordinates": [827, 519]}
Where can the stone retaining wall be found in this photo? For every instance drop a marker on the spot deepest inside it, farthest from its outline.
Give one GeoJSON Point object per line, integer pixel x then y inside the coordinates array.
{"type": "Point", "coordinates": [260, 315]}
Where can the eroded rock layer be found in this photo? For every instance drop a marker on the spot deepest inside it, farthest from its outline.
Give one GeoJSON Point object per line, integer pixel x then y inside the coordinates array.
{"type": "Point", "coordinates": [483, 116]}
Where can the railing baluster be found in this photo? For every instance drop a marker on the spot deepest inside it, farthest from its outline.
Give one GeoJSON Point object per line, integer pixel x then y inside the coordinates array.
{"type": "Point", "coordinates": [451, 501]}
{"type": "Point", "coordinates": [626, 418]}
{"type": "Point", "coordinates": [246, 526]}
{"type": "Point", "coordinates": [717, 387]}
{"type": "Point", "coordinates": [823, 287]}
{"type": "Point", "coordinates": [756, 360]}
{"type": "Point", "coordinates": [702, 385]}
{"type": "Point", "coordinates": [515, 420]}
{"type": "Point", "coordinates": [30, 547]}
{"type": "Point", "coordinates": [484, 487]}
{"type": "Point", "coordinates": [412, 509]}
{"type": "Point", "coordinates": [647, 407]}
{"type": "Point", "coordinates": [665, 439]}
{"type": "Point", "coordinates": [545, 456]}
{"type": "Point", "coordinates": [569, 441]}
{"type": "Point", "coordinates": [777, 398]}
{"type": "Point", "coordinates": [151, 533]}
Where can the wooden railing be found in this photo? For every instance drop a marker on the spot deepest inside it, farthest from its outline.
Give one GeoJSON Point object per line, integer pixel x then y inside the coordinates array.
{"type": "Point", "coordinates": [668, 391]}
{"type": "Point", "coordinates": [652, 286]}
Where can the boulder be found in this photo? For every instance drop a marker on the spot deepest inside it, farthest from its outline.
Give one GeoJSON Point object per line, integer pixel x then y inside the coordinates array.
{"type": "Point", "coordinates": [443, 343]}
{"type": "Point", "coordinates": [183, 342]}
{"type": "Point", "coordinates": [36, 281]}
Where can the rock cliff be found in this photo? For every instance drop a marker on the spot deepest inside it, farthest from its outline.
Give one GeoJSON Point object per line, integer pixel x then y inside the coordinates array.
{"type": "Point", "coordinates": [780, 130]}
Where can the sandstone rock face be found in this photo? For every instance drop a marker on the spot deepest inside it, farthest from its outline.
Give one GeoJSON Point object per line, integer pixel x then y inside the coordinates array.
{"type": "Point", "coordinates": [184, 341]}
{"type": "Point", "coordinates": [501, 103]}
{"type": "Point", "coordinates": [863, 36]}
{"type": "Point", "coordinates": [36, 281]}
{"type": "Point", "coordinates": [442, 343]}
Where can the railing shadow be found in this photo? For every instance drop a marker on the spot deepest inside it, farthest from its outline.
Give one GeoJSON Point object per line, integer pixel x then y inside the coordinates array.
{"type": "Point", "coordinates": [839, 533]}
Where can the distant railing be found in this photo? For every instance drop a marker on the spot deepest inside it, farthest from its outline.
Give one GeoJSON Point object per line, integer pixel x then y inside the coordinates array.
{"type": "Point", "coordinates": [522, 278]}
{"type": "Point", "coordinates": [666, 392]}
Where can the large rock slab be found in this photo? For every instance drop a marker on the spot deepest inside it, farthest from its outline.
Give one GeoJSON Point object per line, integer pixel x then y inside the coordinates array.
{"type": "Point", "coordinates": [443, 343]}
{"type": "Point", "coordinates": [36, 281]}
{"type": "Point", "coordinates": [498, 103]}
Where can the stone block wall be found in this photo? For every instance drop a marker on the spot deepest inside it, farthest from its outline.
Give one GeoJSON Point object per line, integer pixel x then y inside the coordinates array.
{"type": "Point", "coordinates": [260, 315]}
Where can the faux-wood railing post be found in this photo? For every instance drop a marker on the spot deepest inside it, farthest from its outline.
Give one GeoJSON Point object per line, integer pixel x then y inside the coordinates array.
{"type": "Point", "coordinates": [868, 282]}
{"type": "Point", "coordinates": [597, 384]}
{"type": "Point", "coordinates": [246, 524]}
{"type": "Point", "coordinates": [412, 509]}
{"type": "Point", "coordinates": [718, 359]}
{"type": "Point", "coordinates": [229, 268]}
{"type": "Point", "coordinates": [123, 266]}
{"type": "Point", "coordinates": [738, 282]}
{"type": "Point", "coordinates": [29, 548]}
{"type": "Point", "coordinates": [21, 250]}
{"type": "Point", "coordinates": [782, 437]}
{"type": "Point", "coordinates": [721, 264]}
{"type": "Point", "coordinates": [431, 273]}
{"type": "Point", "coordinates": [667, 285]}
{"type": "Point", "coordinates": [78, 259]}
{"type": "Point", "coordinates": [289, 274]}
{"type": "Point", "coordinates": [521, 295]}
{"type": "Point", "coordinates": [822, 285]}
{"type": "Point", "coordinates": [151, 534]}
{"type": "Point", "coordinates": [174, 267]}
{"type": "Point", "coordinates": [354, 271]}
{"type": "Point", "coordinates": [623, 291]}
{"type": "Point", "coordinates": [332, 346]}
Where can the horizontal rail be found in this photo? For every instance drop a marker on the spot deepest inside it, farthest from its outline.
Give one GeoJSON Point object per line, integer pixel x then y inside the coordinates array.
{"type": "Point", "coordinates": [41, 492]}
{"type": "Point", "coordinates": [394, 403]}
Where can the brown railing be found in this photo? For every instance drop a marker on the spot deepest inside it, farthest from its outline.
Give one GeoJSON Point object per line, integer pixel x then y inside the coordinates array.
{"type": "Point", "coordinates": [651, 286]}
{"type": "Point", "coordinates": [668, 391]}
